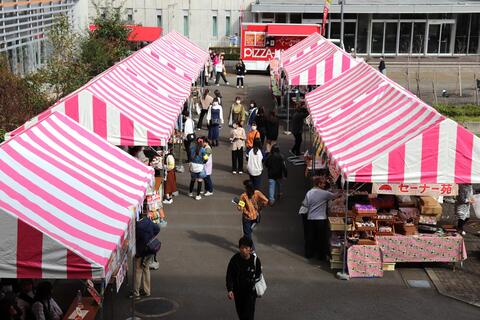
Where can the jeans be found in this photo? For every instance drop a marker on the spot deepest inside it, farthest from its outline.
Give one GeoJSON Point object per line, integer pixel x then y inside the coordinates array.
{"type": "Point", "coordinates": [256, 181]}
{"type": "Point", "coordinates": [247, 227]}
{"type": "Point", "coordinates": [187, 144]}
{"type": "Point", "coordinates": [208, 183]}
{"type": "Point", "coordinates": [237, 160]}
{"type": "Point", "coordinates": [239, 81]}
{"type": "Point", "coordinates": [273, 189]}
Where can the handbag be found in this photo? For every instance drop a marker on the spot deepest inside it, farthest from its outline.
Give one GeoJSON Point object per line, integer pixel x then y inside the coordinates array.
{"type": "Point", "coordinates": [153, 246]}
{"type": "Point", "coordinates": [215, 121]}
{"type": "Point", "coordinates": [196, 167]}
{"type": "Point", "coordinates": [260, 283]}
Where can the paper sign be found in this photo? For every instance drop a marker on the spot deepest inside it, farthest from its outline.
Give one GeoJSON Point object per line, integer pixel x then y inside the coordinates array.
{"type": "Point", "coordinates": [121, 274]}
{"type": "Point", "coordinates": [95, 295]}
{"type": "Point", "coordinates": [334, 170]}
{"type": "Point", "coordinates": [416, 189]}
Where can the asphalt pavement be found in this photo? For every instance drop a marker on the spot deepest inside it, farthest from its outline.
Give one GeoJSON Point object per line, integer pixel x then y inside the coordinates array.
{"type": "Point", "coordinates": [201, 236]}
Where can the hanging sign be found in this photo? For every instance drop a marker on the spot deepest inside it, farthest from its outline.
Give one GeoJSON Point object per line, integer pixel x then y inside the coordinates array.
{"type": "Point", "coordinates": [334, 170]}
{"type": "Point", "coordinates": [121, 274]}
{"type": "Point", "coordinates": [326, 8]}
{"type": "Point", "coordinates": [416, 189]}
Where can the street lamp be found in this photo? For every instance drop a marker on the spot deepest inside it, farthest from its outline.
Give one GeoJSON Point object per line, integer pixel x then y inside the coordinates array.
{"type": "Point", "coordinates": [341, 3]}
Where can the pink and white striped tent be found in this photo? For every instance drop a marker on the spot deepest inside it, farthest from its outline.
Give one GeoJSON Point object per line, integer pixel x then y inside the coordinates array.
{"type": "Point", "coordinates": [315, 61]}
{"type": "Point", "coordinates": [445, 153]}
{"type": "Point", "coordinates": [67, 202]}
{"type": "Point", "coordinates": [362, 115]}
{"type": "Point", "coordinates": [137, 101]}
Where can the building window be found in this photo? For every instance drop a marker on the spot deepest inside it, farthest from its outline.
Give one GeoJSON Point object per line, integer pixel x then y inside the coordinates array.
{"type": "Point", "coordinates": [129, 15]}
{"type": "Point", "coordinates": [214, 26]}
{"type": "Point", "coordinates": [267, 17]}
{"type": "Point", "coordinates": [185, 26]}
{"type": "Point", "coordinates": [280, 17]}
{"type": "Point", "coordinates": [159, 18]}
{"type": "Point", "coordinates": [295, 18]}
{"type": "Point", "coordinates": [418, 39]}
{"type": "Point", "coordinates": [362, 33]}
{"type": "Point", "coordinates": [439, 36]}
{"type": "Point", "coordinates": [473, 46]}
{"type": "Point", "coordinates": [405, 40]}
{"type": "Point", "coordinates": [228, 26]}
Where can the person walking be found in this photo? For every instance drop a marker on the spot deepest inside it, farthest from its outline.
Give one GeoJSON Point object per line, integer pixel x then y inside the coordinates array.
{"type": "Point", "coordinates": [462, 206]}
{"type": "Point", "coordinates": [252, 114]}
{"type": "Point", "coordinates": [261, 123]}
{"type": "Point", "coordinates": [197, 167]}
{"type": "Point", "coordinates": [381, 66]}
{"type": "Point", "coordinates": [297, 129]}
{"type": "Point", "coordinates": [171, 177]}
{"type": "Point", "coordinates": [206, 101]}
{"type": "Point", "coordinates": [145, 231]}
{"type": "Point", "coordinates": [221, 71]}
{"type": "Point", "coordinates": [240, 70]}
{"type": "Point", "coordinates": [251, 203]}
{"type": "Point", "coordinates": [45, 307]}
{"type": "Point", "coordinates": [208, 169]}
{"type": "Point", "coordinates": [188, 134]}
{"type": "Point", "coordinates": [243, 271]}
{"type": "Point", "coordinates": [237, 112]}
{"type": "Point", "coordinates": [315, 223]}
{"type": "Point", "coordinates": [255, 164]}
{"type": "Point", "coordinates": [271, 130]}
{"type": "Point", "coordinates": [277, 170]}
{"type": "Point", "coordinates": [215, 121]}
{"type": "Point", "coordinates": [237, 138]}
{"type": "Point", "coordinates": [251, 136]}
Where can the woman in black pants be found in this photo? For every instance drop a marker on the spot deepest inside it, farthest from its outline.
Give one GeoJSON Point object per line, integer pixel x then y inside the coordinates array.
{"type": "Point", "coordinates": [240, 70]}
{"type": "Point", "coordinates": [237, 138]}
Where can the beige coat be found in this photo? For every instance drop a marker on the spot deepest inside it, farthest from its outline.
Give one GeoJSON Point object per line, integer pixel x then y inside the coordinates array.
{"type": "Point", "coordinates": [206, 102]}
{"type": "Point", "coordinates": [238, 138]}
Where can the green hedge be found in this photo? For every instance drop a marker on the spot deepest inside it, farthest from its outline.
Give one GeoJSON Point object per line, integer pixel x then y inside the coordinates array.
{"type": "Point", "coordinates": [231, 53]}
{"type": "Point", "coordinates": [2, 134]}
{"type": "Point", "coordinates": [460, 113]}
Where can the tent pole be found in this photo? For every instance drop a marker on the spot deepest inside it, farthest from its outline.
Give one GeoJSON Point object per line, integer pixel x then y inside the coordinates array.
{"type": "Point", "coordinates": [343, 275]}
{"type": "Point", "coordinates": [134, 270]}
{"type": "Point", "coordinates": [288, 110]}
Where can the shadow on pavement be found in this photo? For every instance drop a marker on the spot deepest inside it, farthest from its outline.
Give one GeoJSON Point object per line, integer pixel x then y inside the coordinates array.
{"type": "Point", "coordinates": [213, 239]}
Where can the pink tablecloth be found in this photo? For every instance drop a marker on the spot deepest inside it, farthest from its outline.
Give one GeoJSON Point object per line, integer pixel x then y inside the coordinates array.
{"type": "Point", "coordinates": [364, 261]}
{"type": "Point", "coordinates": [422, 248]}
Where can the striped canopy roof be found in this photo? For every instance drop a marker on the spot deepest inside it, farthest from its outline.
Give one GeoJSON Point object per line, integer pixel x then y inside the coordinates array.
{"type": "Point", "coordinates": [315, 61]}
{"type": "Point", "coordinates": [137, 101]}
{"type": "Point", "coordinates": [362, 115]}
{"type": "Point", "coordinates": [67, 201]}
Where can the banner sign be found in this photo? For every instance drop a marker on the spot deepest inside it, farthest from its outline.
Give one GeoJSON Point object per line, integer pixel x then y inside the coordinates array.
{"type": "Point", "coordinates": [326, 7]}
{"type": "Point", "coordinates": [416, 189]}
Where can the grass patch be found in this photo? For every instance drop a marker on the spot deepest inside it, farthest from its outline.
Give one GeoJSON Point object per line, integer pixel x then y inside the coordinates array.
{"type": "Point", "coordinates": [460, 113]}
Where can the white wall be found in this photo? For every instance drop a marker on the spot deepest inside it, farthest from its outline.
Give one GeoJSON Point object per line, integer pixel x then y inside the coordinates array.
{"type": "Point", "coordinates": [199, 12]}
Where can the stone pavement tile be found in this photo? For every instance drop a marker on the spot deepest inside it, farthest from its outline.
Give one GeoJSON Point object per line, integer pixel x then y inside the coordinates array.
{"type": "Point", "coordinates": [461, 283]}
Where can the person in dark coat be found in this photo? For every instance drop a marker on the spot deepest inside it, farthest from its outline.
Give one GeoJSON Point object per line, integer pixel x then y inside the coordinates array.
{"type": "Point", "coordinates": [277, 170]}
{"type": "Point", "coordinates": [271, 130]}
{"type": "Point", "coordinates": [381, 66]}
{"type": "Point", "coordinates": [240, 71]}
{"type": "Point", "coordinates": [244, 269]}
{"type": "Point", "coordinates": [297, 128]}
{"type": "Point", "coordinates": [145, 230]}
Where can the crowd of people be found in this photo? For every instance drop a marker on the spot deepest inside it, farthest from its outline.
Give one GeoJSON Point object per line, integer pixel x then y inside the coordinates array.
{"type": "Point", "coordinates": [215, 69]}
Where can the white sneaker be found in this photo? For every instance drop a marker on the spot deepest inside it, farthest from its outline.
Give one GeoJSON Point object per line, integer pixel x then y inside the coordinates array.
{"type": "Point", "coordinates": [242, 87]}
{"type": "Point", "coordinates": [234, 172]}
{"type": "Point", "coordinates": [190, 194]}
{"type": "Point", "coordinates": [198, 197]}
{"type": "Point", "coordinates": [227, 83]}
{"type": "Point", "coordinates": [238, 87]}
{"type": "Point", "coordinates": [218, 84]}
{"type": "Point", "coordinates": [208, 194]}
{"type": "Point", "coordinates": [240, 172]}
{"type": "Point", "coordinates": [168, 201]}
{"type": "Point", "coordinates": [463, 233]}
{"type": "Point", "coordinates": [202, 192]}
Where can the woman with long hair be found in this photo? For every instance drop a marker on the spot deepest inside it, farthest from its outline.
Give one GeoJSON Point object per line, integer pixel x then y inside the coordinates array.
{"type": "Point", "coordinates": [255, 164]}
{"type": "Point", "coordinates": [214, 120]}
{"type": "Point", "coordinates": [206, 101]}
{"type": "Point", "coordinates": [197, 167]}
{"type": "Point", "coordinates": [237, 138]}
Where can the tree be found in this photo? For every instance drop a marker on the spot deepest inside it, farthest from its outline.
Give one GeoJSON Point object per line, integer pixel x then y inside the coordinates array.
{"type": "Point", "coordinates": [20, 99]}
{"type": "Point", "coordinates": [108, 43]}
{"type": "Point", "coordinates": [64, 71]}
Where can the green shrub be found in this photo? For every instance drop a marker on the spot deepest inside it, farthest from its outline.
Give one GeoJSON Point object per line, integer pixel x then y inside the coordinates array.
{"type": "Point", "coordinates": [2, 134]}
{"type": "Point", "coordinates": [231, 53]}
{"type": "Point", "coordinates": [460, 113]}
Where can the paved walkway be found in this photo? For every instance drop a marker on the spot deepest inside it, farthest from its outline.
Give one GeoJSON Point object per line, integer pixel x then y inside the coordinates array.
{"type": "Point", "coordinates": [202, 236]}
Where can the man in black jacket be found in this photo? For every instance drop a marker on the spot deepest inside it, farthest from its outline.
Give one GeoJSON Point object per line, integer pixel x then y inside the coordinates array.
{"type": "Point", "coordinates": [145, 230]}
{"type": "Point", "coordinates": [276, 171]}
{"type": "Point", "coordinates": [243, 270]}
{"type": "Point", "coordinates": [297, 128]}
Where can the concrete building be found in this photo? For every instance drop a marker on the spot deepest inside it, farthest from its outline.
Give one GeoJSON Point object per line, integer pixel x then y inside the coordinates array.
{"type": "Point", "coordinates": [388, 27]}
{"type": "Point", "coordinates": [24, 24]}
{"type": "Point", "coordinates": [206, 22]}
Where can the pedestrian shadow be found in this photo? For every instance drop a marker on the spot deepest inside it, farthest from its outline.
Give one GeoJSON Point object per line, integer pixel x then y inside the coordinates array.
{"type": "Point", "coordinates": [213, 239]}
{"type": "Point", "coordinates": [221, 167]}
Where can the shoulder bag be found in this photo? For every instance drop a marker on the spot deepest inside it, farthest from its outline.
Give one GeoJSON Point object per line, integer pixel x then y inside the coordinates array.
{"type": "Point", "coordinates": [153, 246]}
{"type": "Point", "coordinates": [260, 284]}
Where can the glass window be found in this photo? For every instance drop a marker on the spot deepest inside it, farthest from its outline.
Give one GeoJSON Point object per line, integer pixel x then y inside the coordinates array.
{"type": "Point", "coordinates": [404, 43]}
{"type": "Point", "coordinates": [295, 18]}
{"type": "Point", "coordinates": [445, 38]}
{"type": "Point", "coordinates": [418, 40]}
{"type": "Point", "coordinates": [159, 20]}
{"type": "Point", "coordinates": [461, 36]}
{"type": "Point", "coordinates": [268, 15]}
{"type": "Point", "coordinates": [473, 46]}
{"type": "Point", "coordinates": [377, 37]}
{"type": "Point", "coordinates": [362, 35]}
{"type": "Point", "coordinates": [312, 15]}
{"type": "Point", "coordinates": [280, 17]}
{"type": "Point", "coordinates": [390, 45]}
{"type": "Point", "coordinates": [228, 27]}
{"type": "Point", "coordinates": [433, 38]}
{"type": "Point", "coordinates": [214, 26]}
{"type": "Point", "coordinates": [384, 16]}
{"type": "Point", "coordinates": [185, 26]}
{"type": "Point", "coordinates": [349, 35]}
{"type": "Point", "coordinates": [334, 30]}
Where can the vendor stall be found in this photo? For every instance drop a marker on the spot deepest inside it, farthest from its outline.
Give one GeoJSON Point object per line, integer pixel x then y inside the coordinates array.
{"type": "Point", "coordinates": [138, 100]}
{"type": "Point", "coordinates": [67, 203]}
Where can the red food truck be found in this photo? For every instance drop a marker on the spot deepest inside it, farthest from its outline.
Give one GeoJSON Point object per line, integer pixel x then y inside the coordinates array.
{"type": "Point", "coordinates": [260, 41]}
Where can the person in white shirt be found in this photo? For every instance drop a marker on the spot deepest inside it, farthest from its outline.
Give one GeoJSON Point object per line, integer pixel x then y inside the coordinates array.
{"type": "Point", "coordinates": [255, 163]}
{"type": "Point", "coordinates": [188, 134]}
{"type": "Point", "coordinates": [214, 120]}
